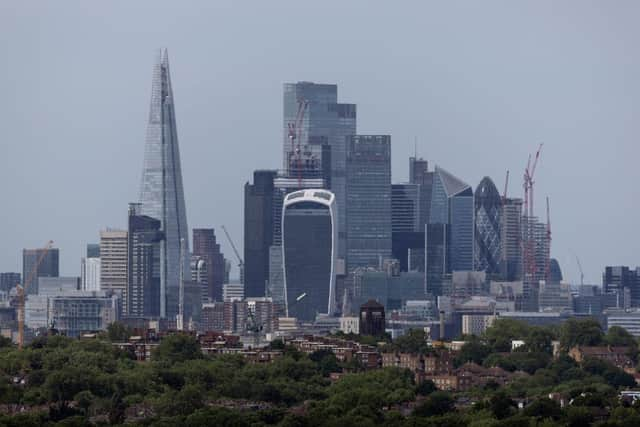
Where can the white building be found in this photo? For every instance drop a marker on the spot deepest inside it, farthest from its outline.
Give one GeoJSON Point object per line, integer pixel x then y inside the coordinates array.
{"type": "Point", "coordinates": [629, 320]}
{"type": "Point", "coordinates": [476, 324]}
{"type": "Point", "coordinates": [232, 292]}
{"type": "Point", "coordinates": [350, 324]}
{"type": "Point", "coordinates": [90, 274]}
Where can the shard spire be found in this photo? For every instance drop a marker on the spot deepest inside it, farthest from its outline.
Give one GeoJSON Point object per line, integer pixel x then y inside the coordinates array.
{"type": "Point", "coordinates": [161, 191]}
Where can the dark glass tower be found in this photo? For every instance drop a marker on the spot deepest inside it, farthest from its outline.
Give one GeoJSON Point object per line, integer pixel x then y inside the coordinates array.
{"type": "Point", "coordinates": [488, 219]}
{"type": "Point", "coordinates": [407, 234]}
{"type": "Point", "coordinates": [368, 200]}
{"type": "Point", "coordinates": [309, 253]}
{"type": "Point", "coordinates": [258, 231]}
{"type": "Point", "coordinates": [324, 120]}
{"type": "Point", "coordinates": [49, 267]}
{"type": "Point", "coordinates": [206, 247]}
{"type": "Point", "coordinates": [161, 192]}
{"type": "Point", "coordinates": [143, 266]}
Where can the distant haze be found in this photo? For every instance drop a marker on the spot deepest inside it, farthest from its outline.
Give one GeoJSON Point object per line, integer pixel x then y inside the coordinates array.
{"type": "Point", "coordinates": [478, 84]}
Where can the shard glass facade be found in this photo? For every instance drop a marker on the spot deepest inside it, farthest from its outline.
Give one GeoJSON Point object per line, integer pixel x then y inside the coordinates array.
{"type": "Point", "coordinates": [161, 192]}
{"type": "Point", "coordinates": [488, 217]}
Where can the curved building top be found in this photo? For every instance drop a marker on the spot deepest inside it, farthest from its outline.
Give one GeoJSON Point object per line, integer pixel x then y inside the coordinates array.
{"type": "Point", "coordinates": [316, 195]}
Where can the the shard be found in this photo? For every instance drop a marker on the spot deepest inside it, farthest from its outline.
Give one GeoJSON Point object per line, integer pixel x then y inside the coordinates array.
{"type": "Point", "coordinates": [161, 192]}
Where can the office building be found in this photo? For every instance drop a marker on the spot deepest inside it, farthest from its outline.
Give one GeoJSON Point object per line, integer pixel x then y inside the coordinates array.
{"type": "Point", "coordinates": [90, 274]}
{"type": "Point", "coordinates": [113, 264]}
{"type": "Point", "coordinates": [8, 281]}
{"type": "Point", "coordinates": [368, 173]}
{"type": "Point", "coordinates": [309, 238]}
{"type": "Point", "coordinates": [284, 185]}
{"type": "Point", "coordinates": [407, 233]}
{"type": "Point", "coordinates": [555, 272]}
{"type": "Point", "coordinates": [213, 317]}
{"type": "Point", "coordinates": [232, 292]}
{"type": "Point", "coordinates": [419, 174]}
{"type": "Point", "coordinates": [511, 239]}
{"type": "Point", "coordinates": [452, 203]}
{"type": "Point", "coordinates": [93, 250]}
{"type": "Point", "coordinates": [53, 286]}
{"type": "Point", "coordinates": [258, 231]}
{"type": "Point", "coordinates": [206, 247]}
{"type": "Point", "coordinates": [437, 242]}
{"type": "Point", "coordinates": [315, 110]}
{"type": "Point", "coordinates": [161, 192]}
{"type": "Point", "coordinates": [554, 296]}
{"type": "Point", "coordinates": [391, 288]}
{"type": "Point", "coordinates": [627, 319]}
{"type": "Point", "coordinates": [144, 239]}
{"type": "Point", "coordinates": [200, 277]}
{"type": "Point", "coordinates": [535, 259]}
{"type": "Point", "coordinates": [372, 319]}
{"type": "Point", "coordinates": [75, 313]}
{"type": "Point", "coordinates": [488, 224]}
{"type": "Point", "coordinates": [49, 266]}
{"type": "Point", "coordinates": [615, 279]}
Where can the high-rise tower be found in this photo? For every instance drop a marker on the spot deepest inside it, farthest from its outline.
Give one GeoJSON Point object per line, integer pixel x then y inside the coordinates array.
{"type": "Point", "coordinates": [161, 192]}
{"type": "Point", "coordinates": [488, 218]}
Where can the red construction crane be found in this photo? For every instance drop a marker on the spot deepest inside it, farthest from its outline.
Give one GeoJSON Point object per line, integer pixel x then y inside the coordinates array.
{"type": "Point", "coordinates": [295, 135]}
{"type": "Point", "coordinates": [21, 290]}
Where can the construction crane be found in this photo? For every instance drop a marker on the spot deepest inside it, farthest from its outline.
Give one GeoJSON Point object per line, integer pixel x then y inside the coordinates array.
{"type": "Point", "coordinates": [240, 261]}
{"type": "Point", "coordinates": [581, 272]}
{"type": "Point", "coordinates": [506, 185]}
{"type": "Point", "coordinates": [21, 290]}
{"type": "Point", "coordinates": [295, 135]}
{"type": "Point", "coordinates": [547, 258]}
{"type": "Point", "coordinates": [528, 252]}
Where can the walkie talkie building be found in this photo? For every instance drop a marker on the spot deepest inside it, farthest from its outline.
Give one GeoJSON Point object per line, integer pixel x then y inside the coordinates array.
{"type": "Point", "coordinates": [309, 236]}
{"type": "Point", "coordinates": [161, 192]}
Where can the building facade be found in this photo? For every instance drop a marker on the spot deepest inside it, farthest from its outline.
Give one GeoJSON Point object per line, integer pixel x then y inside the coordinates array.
{"type": "Point", "coordinates": [161, 191]}
{"type": "Point", "coordinates": [488, 225]}
{"type": "Point", "coordinates": [511, 239]}
{"type": "Point", "coordinates": [372, 319]}
{"type": "Point", "coordinates": [144, 241]}
{"type": "Point", "coordinates": [258, 231]}
{"type": "Point", "coordinates": [8, 281]}
{"type": "Point", "coordinates": [206, 247]}
{"type": "Point", "coordinates": [322, 119]}
{"type": "Point", "coordinates": [309, 237]}
{"type": "Point", "coordinates": [615, 279]}
{"type": "Point", "coordinates": [113, 264]}
{"type": "Point", "coordinates": [452, 203]}
{"type": "Point", "coordinates": [368, 173]}
{"type": "Point", "coordinates": [49, 266]}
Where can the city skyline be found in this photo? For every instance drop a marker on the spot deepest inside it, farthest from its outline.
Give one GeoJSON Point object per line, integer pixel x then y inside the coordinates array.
{"type": "Point", "coordinates": [570, 226]}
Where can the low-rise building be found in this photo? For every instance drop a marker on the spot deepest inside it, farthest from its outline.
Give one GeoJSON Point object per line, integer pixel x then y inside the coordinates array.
{"type": "Point", "coordinates": [618, 356]}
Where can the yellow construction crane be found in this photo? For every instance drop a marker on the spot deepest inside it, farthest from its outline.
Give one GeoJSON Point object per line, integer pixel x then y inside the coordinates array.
{"type": "Point", "coordinates": [21, 290]}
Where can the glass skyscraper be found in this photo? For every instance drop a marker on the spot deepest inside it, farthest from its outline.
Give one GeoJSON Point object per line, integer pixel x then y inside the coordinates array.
{"type": "Point", "coordinates": [488, 218]}
{"type": "Point", "coordinates": [324, 121]}
{"type": "Point", "coordinates": [368, 205]}
{"type": "Point", "coordinates": [161, 192]}
{"type": "Point", "coordinates": [309, 237]}
{"type": "Point", "coordinates": [452, 204]}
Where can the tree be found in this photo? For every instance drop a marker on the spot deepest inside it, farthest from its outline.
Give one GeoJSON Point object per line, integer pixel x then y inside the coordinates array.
{"type": "Point", "coordinates": [414, 341]}
{"type": "Point", "coordinates": [500, 334]}
{"type": "Point", "coordinates": [425, 388]}
{"type": "Point", "coordinates": [472, 351]}
{"type": "Point", "coordinates": [118, 332]}
{"type": "Point", "coordinates": [586, 332]}
{"type": "Point", "coordinates": [177, 348]}
{"type": "Point", "coordinates": [501, 405]}
{"type": "Point", "coordinates": [438, 403]}
{"type": "Point", "coordinates": [543, 408]}
{"type": "Point", "coordinates": [539, 340]}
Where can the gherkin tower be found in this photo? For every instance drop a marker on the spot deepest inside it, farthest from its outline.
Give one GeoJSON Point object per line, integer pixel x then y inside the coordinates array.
{"type": "Point", "coordinates": [161, 191]}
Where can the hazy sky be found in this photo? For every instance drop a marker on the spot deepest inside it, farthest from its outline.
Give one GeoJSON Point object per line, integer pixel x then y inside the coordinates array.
{"type": "Point", "coordinates": [479, 84]}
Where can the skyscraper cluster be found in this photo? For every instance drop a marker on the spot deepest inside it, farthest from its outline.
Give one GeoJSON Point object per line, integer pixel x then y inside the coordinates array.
{"type": "Point", "coordinates": [433, 225]}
